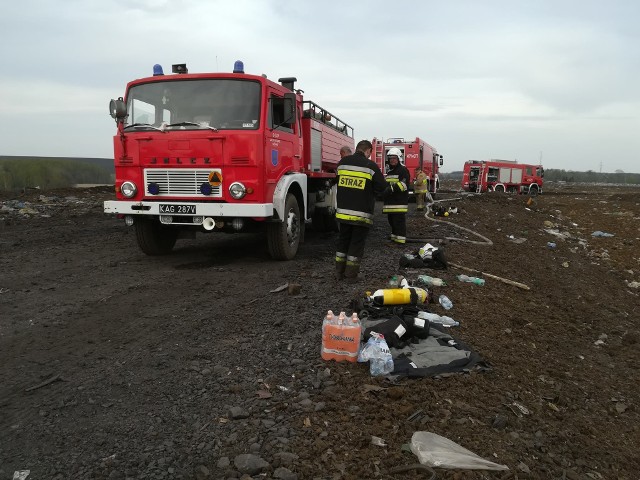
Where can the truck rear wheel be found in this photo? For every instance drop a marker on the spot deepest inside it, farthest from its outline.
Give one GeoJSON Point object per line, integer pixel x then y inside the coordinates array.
{"type": "Point", "coordinates": [283, 238]}
{"type": "Point", "coordinates": [154, 238]}
{"type": "Point", "coordinates": [533, 190]}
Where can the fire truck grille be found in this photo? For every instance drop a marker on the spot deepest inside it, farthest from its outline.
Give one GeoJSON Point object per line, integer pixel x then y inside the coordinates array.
{"type": "Point", "coordinates": [180, 182]}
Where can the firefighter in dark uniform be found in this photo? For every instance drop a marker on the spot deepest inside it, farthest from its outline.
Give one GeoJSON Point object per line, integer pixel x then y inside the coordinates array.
{"type": "Point", "coordinates": [359, 181]}
{"type": "Point", "coordinates": [396, 196]}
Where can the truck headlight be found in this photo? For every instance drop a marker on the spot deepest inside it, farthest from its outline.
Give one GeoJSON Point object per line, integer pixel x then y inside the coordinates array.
{"type": "Point", "coordinates": [128, 189]}
{"type": "Point", "coordinates": [237, 190]}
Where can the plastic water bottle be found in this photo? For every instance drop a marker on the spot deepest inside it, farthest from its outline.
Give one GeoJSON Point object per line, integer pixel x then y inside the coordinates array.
{"type": "Point", "coordinates": [431, 281]}
{"type": "Point", "coordinates": [381, 361]}
{"type": "Point", "coordinates": [445, 302]}
{"type": "Point", "coordinates": [475, 280]}
{"type": "Point", "coordinates": [438, 319]}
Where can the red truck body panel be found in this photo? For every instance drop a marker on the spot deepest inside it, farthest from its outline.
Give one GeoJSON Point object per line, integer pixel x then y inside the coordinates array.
{"type": "Point", "coordinates": [415, 153]}
{"type": "Point", "coordinates": [502, 176]}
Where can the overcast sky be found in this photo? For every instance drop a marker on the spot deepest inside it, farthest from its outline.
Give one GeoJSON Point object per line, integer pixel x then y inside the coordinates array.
{"type": "Point", "coordinates": [477, 79]}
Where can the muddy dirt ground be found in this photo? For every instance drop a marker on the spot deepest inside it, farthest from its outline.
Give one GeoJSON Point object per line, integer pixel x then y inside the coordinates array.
{"type": "Point", "coordinates": [121, 366]}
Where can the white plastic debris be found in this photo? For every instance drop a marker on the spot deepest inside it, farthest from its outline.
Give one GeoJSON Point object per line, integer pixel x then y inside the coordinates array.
{"type": "Point", "coordinates": [436, 451]}
{"type": "Point", "coordinates": [21, 474]}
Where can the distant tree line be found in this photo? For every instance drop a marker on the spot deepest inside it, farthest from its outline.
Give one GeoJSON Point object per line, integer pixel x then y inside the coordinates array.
{"type": "Point", "coordinates": [17, 174]}
{"type": "Point", "coordinates": [570, 176]}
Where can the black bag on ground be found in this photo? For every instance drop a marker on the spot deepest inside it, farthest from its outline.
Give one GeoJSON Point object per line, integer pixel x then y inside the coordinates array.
{"type": "Point", "coordinates": [417, 327]}
{"type": "Point", "coordinates": [394, 330]}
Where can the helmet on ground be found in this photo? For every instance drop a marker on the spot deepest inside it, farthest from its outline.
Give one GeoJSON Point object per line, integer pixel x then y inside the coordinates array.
{"type": "Point", "coordinates": [394, 151]}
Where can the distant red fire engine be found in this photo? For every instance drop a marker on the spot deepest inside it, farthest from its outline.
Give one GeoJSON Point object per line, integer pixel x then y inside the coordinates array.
{"type": "Point", "coordinates": [502, 176]}
{"type": "Point", "coordinates": [415, 153]}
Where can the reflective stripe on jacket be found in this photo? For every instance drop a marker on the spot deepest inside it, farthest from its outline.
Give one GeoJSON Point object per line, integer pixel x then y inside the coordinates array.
{"type": "Point", "coordinates": [398, 200]}
{"type": "Point", "coordinates": [359, 180]}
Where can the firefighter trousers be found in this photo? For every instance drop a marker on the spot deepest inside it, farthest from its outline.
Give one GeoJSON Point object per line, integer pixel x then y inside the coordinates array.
{"type": "Point", "coordinates": [420, 200]}
{"type": "Point", "coordinates": [350, 249]}
{"type": "Point", "coordinates": [398, 222]}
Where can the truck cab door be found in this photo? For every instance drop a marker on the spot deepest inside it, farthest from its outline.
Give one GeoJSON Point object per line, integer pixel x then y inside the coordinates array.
{"type": "Point", "coordinates": [282, 145]}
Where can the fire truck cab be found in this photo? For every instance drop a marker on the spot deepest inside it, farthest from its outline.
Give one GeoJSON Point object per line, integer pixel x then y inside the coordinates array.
{"type": "Point", "coordinates": [229, 152]}
{"type": "Point", "coordinates": [415, 153]}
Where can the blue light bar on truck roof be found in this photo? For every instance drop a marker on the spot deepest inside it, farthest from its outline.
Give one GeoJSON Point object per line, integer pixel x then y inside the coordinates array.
{"type": "Point", "coordinates": [157, 70]}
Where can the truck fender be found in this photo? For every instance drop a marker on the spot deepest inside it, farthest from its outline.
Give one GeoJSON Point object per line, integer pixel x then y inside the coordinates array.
{"type": "Point", "coordinates": [295, 183]}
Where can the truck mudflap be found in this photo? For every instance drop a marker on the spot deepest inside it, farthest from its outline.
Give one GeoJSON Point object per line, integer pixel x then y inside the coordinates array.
{"type": "Point", "coordinates": [254, 210]}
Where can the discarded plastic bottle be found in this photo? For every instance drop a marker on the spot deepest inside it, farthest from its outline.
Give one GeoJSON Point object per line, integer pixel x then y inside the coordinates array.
{"type": "Point", "coordinates": [400, 296]}
{"type": "Point", "coordinates": [475, 280]}
{"type": "Point", "coordinates": [398, 281]}
{"type": "Point", "coordinates": [380, 361]}
{"type": "Point", "coordinates": [445, 302]}
{"type": "Point", "coordinates": [438, 319]}
{"type": "Point", "coordinates": [431, 281]}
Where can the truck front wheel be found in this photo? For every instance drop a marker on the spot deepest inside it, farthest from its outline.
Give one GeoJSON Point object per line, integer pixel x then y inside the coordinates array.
{"type": "Point", "coordinates": [154, 238]}
{"type": "Point", "coordinates": [283, 238]}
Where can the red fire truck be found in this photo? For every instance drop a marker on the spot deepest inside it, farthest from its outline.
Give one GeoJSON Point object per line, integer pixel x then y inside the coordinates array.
{"type": "Point", "coordinates": [502, 176]}
{"type": "Point", "coordinates": [232, 152]}
{"type": "Point", "coordinates": [415, 153]}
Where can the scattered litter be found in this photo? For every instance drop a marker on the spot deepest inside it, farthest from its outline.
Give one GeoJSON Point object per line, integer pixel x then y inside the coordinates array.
{"type": "Point", "coordinates": [377, 441]}
{"type": "Point", "coordinates": [598, 233]}
{"type": "Point", "coordinates": [43, 384]}
{"type": "Point", "coordinates": [551, 245]}
{"type": "Point", "coordinates": [21, 474]}
{"type": "Point", "coordinates": [416, 416]}
{"type": "Point", "coordinates": [284, 389]}
{"type": "Point", "coordinates": [436, 451]}
{"type": "Point", "coordinates": [516, 240]}
{"type": "Point", "coordinates": [280, 288]}
{"type": "Point", "coordinates": [519, 409]}
{"type": "Point", "coordinates": [598, 343]}
{"type": "Point", "coordinates": [558, 233]}
{"type": "Point", "coordinates": [263, 394]}
{"type": "Point", "coordinates": [371, 388]}
{"type": "Point", "coordinates": [4, 290]}
{"type": "Point", "coordinates": [630, 285]}
{"type": "Point", "coordinates": [565, 264]}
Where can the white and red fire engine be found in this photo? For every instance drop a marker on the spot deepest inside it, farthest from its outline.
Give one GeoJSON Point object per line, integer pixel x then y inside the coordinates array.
{"type": "Point", "coordinates": [233, 152]}
{"type": "Point", "coordinates": [415, 153]}
{"type": "Point", "coordinates": [502, 176]}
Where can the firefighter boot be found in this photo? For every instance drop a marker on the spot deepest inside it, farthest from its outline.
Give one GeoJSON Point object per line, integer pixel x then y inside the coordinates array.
{"type": "Point", "coordinates": [351, 273]}
{"type": "Point", "coordinates": [340, 268]}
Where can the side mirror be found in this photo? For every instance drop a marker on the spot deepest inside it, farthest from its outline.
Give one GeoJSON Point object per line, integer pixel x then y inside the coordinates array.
{"type": "Point", "coordinates": [289, 107]}
{"type": "Point", "coordinates": [441, 160]}
{"type": "Point", "coordinates": [118, 109]}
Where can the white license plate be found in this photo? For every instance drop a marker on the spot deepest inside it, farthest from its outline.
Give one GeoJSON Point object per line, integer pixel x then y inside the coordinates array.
{"type": "Point", "coordinates": [177, 209]}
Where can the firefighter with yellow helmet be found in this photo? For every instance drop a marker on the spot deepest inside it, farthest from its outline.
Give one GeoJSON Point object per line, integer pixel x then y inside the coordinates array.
{"type": "Point", "coordinates": [396, 196]}
{"type": "Point", "coordinates": [420, 187]}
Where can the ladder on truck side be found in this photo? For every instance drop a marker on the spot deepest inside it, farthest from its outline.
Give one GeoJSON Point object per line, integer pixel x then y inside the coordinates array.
{"type": "Point", "coordinates": [480, 178]}
{"type": "Point", "coordinates": [378, 153]}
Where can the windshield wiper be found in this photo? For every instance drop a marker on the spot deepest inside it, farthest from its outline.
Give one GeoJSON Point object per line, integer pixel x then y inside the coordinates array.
{"type": "Point", "coordinates": [183, 124]}
{"type": "Point", "coordinates": [143, 125]}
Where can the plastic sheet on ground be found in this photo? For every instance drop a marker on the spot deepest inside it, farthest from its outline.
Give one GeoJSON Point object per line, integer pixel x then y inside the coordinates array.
{"type": "Point", "coordinates": [436, 451]}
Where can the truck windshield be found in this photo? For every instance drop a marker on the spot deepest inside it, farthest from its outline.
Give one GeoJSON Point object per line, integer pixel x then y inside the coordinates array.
{"type": "Point", "coordinates": [194, 104]}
